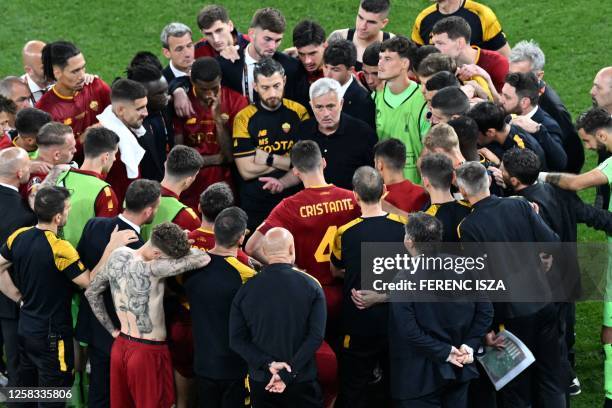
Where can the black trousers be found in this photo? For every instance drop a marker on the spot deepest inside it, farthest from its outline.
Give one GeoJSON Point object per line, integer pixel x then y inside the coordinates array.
{"type": "Point", "coordinates": [11, 347]}
{"type": "Point", "coordinates": [363, 367]}
{"type": "Point", "coordinates": [221, 393]}
{"type": "Point", "coordinates": [451, 396]}
{"type": "Point", "coordinates": [297, 395]}
{"type": "Point", "coordinates": [541, 384]}
{"type": "Point", "coordinates": [46, 361]}
{"type": "Point", "coordinates": [99, 379]}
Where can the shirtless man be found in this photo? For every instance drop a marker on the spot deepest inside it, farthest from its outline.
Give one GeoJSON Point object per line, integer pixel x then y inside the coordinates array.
{"type": "Point", "coordinates": [369, 23]}
{"type": "Point", "coordinates": [136, 279]}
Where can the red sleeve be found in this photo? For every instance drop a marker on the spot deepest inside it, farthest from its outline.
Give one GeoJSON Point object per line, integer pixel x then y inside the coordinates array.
{"type": "Point", "coordinates": [104, 92]}
{"type": "Point", "coordinates": [277, 218]}
{"type": "Point", "coordinates": [238, 103]}
{"type": "Point", "coordinates": [107, 203]}
{"type": "Point", "coordinates": [420, 200]}
{"type": "Point", "coordinates": [5, 141]}
{"type": "Point", "coordinates": [243, 257]}
{"type": "Point", "coordinates": [187, 219]}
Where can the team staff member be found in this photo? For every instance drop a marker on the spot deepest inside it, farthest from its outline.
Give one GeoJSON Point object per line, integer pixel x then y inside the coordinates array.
{"type": "Point", "coordinates": [45, 267]}
{"type": "Point", "coordinates": [209, 131]}
{"type": "Point", "coordinates": [432, 344]}
{"type": "Point", "coordinates": [364, 316]}
{"type": "Point", "coordinates": [346, 142]}
{"type": "Point", "coordinates": [486, 29]}
{"type": "Point", "coordinates": [14, 171]}
{"type": "Point", "coordinates": [210, 290]}
{"type": "Point", "coordinates": [437, 172]}
{"type": "Point", "coordinates": [141, 202]}
{"type": "Point", "coordinates": [70, 100]}
{"type": "Point", "coordinates": [595, 129]}
{"type": "Point", "coordinates": [90, 195]}
{"type": "Point", "coordinates": [403, 194]}
{"type": "Point", "coordinates": [495, 219]}
{"type": "Point", "coordinates": [218, 32]}
{"type": "Point", "coordinates": [216, 198]}
{"type": "Point", "coordinates": [278, 335]}
{"type": "Point", "coordinates": [263, 135]}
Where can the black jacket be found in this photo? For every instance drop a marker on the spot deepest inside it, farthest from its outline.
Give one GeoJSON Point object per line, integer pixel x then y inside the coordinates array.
{"type": "Point", "coordinates": [359, 104]}
{"type": "Point", "coordinates": [552, 104]}
{"type": "Point", "coordinates": [15, 214]}
{"type": "Point", "coordinates": [296, 87]}
{"type": "Point", "coordinates": [96, 235]}
{"type": "Point", "coordinates": [550, 138]}
{"type": "Point", "coordinates": [156, 142]}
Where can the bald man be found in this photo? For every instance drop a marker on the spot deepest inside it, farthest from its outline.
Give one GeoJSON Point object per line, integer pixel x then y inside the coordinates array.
{"type": "Point", "coordinates": [14, 171]}
{"type": "Point", "coordinates": [601, 92]}
{"type": "Point", "coordinates": [277, 323]}
{"type": "Point", "coordinates": [32, 65]}
{"type": "Point", "coordinates": [16, 90]}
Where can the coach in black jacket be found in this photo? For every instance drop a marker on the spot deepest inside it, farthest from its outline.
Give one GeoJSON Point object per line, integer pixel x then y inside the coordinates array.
{"type": "Point", "coordinates": [429, 341]}
{"type": "Point", "coordinates": [141, 202]}
{"type": "Point", "coordinates": [14, 171]}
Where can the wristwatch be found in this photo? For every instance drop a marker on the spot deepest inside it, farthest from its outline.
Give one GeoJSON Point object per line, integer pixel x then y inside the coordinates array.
{"type": "Point", "coordinates": [270, 160]}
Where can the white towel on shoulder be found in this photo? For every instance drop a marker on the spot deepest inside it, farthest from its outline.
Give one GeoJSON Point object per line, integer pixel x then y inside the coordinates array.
{"type": "Point", "coordinates": [131, 152]}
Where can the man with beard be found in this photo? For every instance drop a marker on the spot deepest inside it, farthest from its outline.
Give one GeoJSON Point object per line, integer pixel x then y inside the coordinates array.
{"type": "Point", "coordinates": [263, 135]}
{"type": "Point", "coordinates": [71, 100]}
{"type": "Point", "coordinates": [159, 138]}
{"type": "Point", "coordinates": [601, 92]}
{"type": "Point", "coordinates": [34, 74]}
{"type": "Point", "coordinates": [209, 130]}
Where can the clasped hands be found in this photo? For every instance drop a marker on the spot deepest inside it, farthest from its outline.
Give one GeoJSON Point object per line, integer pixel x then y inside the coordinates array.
{"type": "Point", "coordinates": [276, 384]}
{"type": "Point", "coordinates": [461, 356]}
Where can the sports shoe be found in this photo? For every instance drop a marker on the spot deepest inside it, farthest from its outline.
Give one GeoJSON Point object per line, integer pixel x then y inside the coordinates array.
{"type": "Point", "coordinates": [574, 388]}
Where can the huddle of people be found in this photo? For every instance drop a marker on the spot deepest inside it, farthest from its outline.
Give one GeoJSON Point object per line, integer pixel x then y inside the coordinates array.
{"type": "Point", "coordinates": [192, 234]}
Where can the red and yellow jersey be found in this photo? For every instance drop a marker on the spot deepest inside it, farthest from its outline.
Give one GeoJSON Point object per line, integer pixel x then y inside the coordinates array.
{"type": "Point", "coordinates": [406, 196]}
{"type": "Point", "coordinates": [313, 216]}
{"type": "Point", "coordinates": [204, 239]}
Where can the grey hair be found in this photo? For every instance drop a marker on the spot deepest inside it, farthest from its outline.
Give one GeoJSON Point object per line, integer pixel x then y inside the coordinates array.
{"type": "Point", "coordinates": [473, 178]}
{"type": "Point", "coordinates": [6, 85]}
{"type": "Point", "coordinates": [324, 86]}
{"type": "Point", "coordinates": [528, 51]}
{"type": "Point", "coordinates": [173, 30]}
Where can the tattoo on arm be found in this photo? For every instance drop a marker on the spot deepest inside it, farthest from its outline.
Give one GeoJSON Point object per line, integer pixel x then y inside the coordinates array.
{"type": "Point", "coordinates": [94, 295]}
{"type": "Point", "coordinates": [165, 267]}
{"type": "Point", "coordinates": [554, 178]}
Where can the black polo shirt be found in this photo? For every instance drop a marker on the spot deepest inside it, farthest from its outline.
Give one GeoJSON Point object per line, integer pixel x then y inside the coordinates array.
{"type": "Point", "coordinates": [518, 138]}
{"type": "Point", "coordinates": [210, 291]}
{"type": "Point", "coordinates": [350, 147]}
{"type": "Point", "coordinates": [450, 215]}
{"type": "Point", "coordinates": [44, 267]}
{"type": "Point", "coordinates": [346, 254]}
{"type": "Point", "coordinates": [274, 132]}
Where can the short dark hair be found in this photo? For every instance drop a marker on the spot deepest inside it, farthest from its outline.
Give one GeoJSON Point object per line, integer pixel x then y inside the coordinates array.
{"type": "Point", "coordinates": [368, 184]}
{"type": "Point", "coordinates": [340, 52]}
{"type": "Point", "coordinates": [170, 239]}
{"type": "Point", "coordinates": [100, 140]}
{"type": "Point", "coordinates": [127, 90]}
{"type": "Point", "coordinates": [230, 225]}
{"type": "Point", "coordinates": [29, 121]}
{"type": "Point", "coordinates": [441, 80]}
{"type": "Point", "coordinates": [205, 69]}
{"type": "Point", "coordinates": [57, 54]}
{"type": "Point", "coordinates": [52, 134]}
{"type": "Point", "coordinates": [392, 152]}
{"type": "Point", "coordinates": [144, 72]}
{"type": "Point", "coordinates": [467, 133]}
{"type": "Point", "coordinates": [146, 57]}
{"type": "Point", "coordinates": [308, 32]}
{"type": "Point", "coordinates": [269, 19]}
{"type": "Point", "coordinates": [211, 14]}
{"type": "Point", "coordinates": [371, 54]}
{"type": "Point", "coordinates": [593, 120]}
{"type": "Point", "coordinates": [472, 177]}
{"type": "Point", "coordinates": [436, 62]}
{"type": "Point", "coordinates": [49, 202]}
{"type": "Point", "coordinates": [422, 53]}
{"type": "Point", "coordinates": [141, 193]}
{"type": "Point", "coordinates": [526, 84]}
{"type": "Point", "coordinates": [488, 115]}
{"type": "Point", "coordinates": [454, 27]}
{"type": "Point", "coordinates": [400, 44]}
{"type": "Point", "coordinates": [375, 6]}
{"type": "Point", "coordinates": [423, 229]}
{"type": "Point", "coordinates": [267, 67]}
{"type": "Point", "coordinates": [523, 164]}
{"type": "Point", "coordinates": [305, 156]}
{"type": "Point", "coordinates": [183, 161]}
{"type": "Point", "coordinates": [216, 198]}
{"type": "Point", "coordinates": [7, 105]}
{"type": "Point", "coordinates": [438, 168]}
{"type": "Point", "coordinates": [451, 101]}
